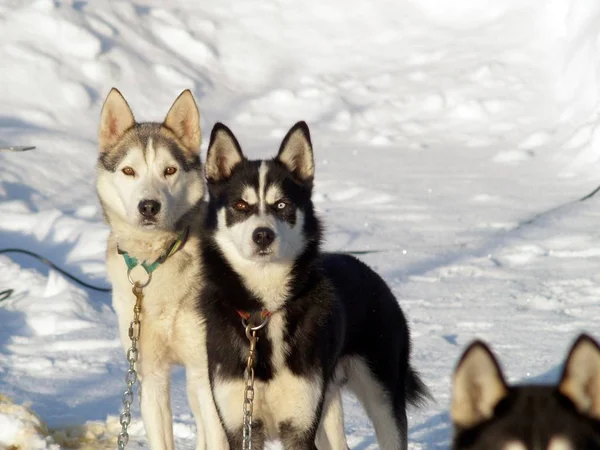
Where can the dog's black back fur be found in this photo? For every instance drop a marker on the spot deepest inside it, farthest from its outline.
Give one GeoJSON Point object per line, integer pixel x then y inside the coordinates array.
{"type": "Point", "coordinates": [375, 324]}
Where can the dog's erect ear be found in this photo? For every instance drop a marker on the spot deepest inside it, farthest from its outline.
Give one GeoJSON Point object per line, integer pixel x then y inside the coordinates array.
{"type": "Point", "coordinates": [478, 386]}
{"type": "Point", "coordinates": [296, 152]}
{"type": "Point", "coordinates": [183, 119]}
{"type": "Point", "coordinates": [224, 153]}
{"type": "Point", "coordinates": [116, 118]}
{"type": "Point", "coordinates": [580, 380]}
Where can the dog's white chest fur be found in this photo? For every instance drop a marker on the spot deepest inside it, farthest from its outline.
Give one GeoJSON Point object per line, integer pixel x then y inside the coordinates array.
{"type": "Point", "coordinates": [287, 398]}
{"type": "Point", "coordinates": [172, 328]}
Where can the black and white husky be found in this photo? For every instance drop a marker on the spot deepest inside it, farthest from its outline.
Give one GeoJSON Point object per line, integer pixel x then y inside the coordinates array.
{"type": "Point", "coordinates": [333, 321]}
{"type": "Point", "coordinates": [151, 187]}
{"type": "Point", "coordinates": [489, 414]}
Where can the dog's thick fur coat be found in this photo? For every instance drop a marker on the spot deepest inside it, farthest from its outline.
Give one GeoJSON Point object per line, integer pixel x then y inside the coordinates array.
{"type": "Point", "coordinates": [334, 321]}
{"type": "Point", "coordinates": [150, 184]}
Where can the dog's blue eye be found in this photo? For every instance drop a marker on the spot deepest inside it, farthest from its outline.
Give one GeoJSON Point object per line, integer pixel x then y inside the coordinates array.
{"type": "Point", "coordinates": [281, 205]}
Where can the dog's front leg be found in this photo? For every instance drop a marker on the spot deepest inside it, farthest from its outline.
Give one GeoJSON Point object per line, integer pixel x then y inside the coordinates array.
{"type": "Point", "coordinates": [156, 408]}
{"type": "Point", "coordinates": [331, 434]}
{"type": "Point", "coordinates": [153, 378]}
{"type": "Point", "coordinates": [195, 402]}
{"type": "Point", "coordinates": [211, 434]}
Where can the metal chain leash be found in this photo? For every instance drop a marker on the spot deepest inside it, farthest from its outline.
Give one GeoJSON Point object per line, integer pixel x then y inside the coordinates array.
{"type": "Point", "coordinates": [132, 356]}
{"type": "Point", "coordinates": [249, 377]}
{"type": "Point", "coordinates": [249, 391]}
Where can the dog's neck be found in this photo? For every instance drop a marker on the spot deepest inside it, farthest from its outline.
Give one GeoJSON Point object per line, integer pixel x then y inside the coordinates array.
{"type": "Point", "coordinates": [145, 245]}
{"type": "Point", "coordinates": [150, 245]}
{"type": "Point", "coordinates": [270, 285]}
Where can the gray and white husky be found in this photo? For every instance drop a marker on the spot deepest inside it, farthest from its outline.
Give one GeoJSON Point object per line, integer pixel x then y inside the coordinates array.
{"type": "Point", "coordinates": [151, 187]}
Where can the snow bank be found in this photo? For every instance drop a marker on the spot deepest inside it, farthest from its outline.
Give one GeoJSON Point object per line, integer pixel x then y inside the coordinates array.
{"type": "Point", "coordinates": [578, 87]}
{"type": "Point", "coordinates": [570, 32]}
{"type": "Point", "coordinates": [473, 12]}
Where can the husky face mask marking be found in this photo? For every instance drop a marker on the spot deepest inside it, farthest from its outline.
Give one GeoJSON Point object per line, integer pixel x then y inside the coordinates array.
{"type": "Point", "coordinates": [260, 215]}
{"type": "Point", "coordinates": [490, 414]}
{"type": "Point", "coordinates": [149, 174]}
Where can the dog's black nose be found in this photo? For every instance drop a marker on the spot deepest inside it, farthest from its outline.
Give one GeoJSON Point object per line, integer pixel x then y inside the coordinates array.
{"type": "Point", "coordinates": [263, 237]}
{"type": "Point", "coordinates": [149, 208]}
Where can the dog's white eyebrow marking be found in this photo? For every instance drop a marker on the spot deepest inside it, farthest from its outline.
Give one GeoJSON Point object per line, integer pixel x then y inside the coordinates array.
{"type": "Point", "coordinates": [150, 154]}
{"type": "Point", "coordinates": [560, 443]}
{"type": "Point", "coordinates": [262, 186]}
{"type": "Point", "coordinates": [273, 194]}
{"type": "Point", "coordinates": [514, 445]}
{"type": "Point", "coordinates": [249, 195]}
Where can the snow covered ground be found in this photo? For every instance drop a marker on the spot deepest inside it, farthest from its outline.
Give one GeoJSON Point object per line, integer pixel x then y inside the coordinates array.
{"type": "Point", "coordinates": [440, 129]}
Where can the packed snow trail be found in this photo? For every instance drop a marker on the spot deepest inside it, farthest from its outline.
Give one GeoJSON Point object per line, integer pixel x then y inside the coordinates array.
{"type": "Point", "coordinates": [438, 129]}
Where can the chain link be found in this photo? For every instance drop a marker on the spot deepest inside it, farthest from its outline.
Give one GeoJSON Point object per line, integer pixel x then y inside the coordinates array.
{"type": "Point", "coordinates": [131, 376]}
{"type": "Point", "coordinates": [249, 376]}
{"type": "Point", "coordinates": [249, 390]}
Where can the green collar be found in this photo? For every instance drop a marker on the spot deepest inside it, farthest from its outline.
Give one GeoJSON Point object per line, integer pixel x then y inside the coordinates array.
{"type": "Point", "coordinates": [132, 261]}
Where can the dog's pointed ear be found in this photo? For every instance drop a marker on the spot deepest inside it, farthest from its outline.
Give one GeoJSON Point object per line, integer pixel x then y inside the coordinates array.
{"type": "Point", "coordinates": [183, 119]}
{"type": "Point", "coordinates": [477, 387]}
{"type": "Point", "coordinates": [115, 119]}
{"type": "Point", "coordinates": [296, 152]}
{"type": "Point", "coordinates": [580, 380]}
{"type": "Point", "coordinates": [224, 153]}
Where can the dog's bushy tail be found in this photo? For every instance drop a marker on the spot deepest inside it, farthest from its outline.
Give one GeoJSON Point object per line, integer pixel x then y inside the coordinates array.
{"type": "Point", "coordinates": [417, 394]}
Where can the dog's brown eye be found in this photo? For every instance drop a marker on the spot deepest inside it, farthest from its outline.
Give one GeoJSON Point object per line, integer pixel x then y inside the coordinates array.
{"type": "Point", "coordinates": [170, 170]}
{"type": "Point", "coordinates": [241, 205]}
{"type": "Point", "coordinates": [128, 171]}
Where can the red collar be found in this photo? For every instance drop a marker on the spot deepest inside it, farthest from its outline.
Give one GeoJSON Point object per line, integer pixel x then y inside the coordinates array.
{"type": "Point", "coordinates": [247, 315]}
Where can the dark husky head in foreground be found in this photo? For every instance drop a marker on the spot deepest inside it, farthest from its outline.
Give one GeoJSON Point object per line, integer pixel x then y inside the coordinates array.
{"type": "Point", "coordinates": [149, 174]}
{"type": "Point", "coordinates": [260, 211]}
{"type": "Point", "coordinates": [489, 414]}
